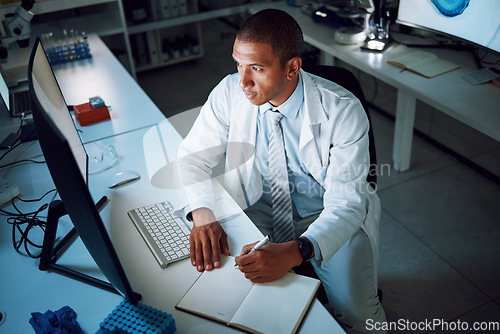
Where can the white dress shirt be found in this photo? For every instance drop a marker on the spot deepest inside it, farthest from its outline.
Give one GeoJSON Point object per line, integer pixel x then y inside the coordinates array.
{"type": "Point", "coordinates": [327, 141]}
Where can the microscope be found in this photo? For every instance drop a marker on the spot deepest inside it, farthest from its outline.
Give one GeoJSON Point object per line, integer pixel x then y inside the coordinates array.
{"type": "Point", "coordinates": [16, 27]}
{"type": "Point", "coordinates": [379, 39]}
{"type": "Point", "coordinates": [357, 14]}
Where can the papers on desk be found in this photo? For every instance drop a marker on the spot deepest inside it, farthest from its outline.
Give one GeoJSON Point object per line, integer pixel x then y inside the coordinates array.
{"type": "Point", "coordinates": [483, 75]}
{"type": "Point", "coordinates": [225, 295]}
{"type": "Point", "coordinates": [424, 63]}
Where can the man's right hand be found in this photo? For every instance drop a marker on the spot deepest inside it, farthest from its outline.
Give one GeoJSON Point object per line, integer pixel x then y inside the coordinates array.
{"type": "Point", "coordinates": [207, 240]}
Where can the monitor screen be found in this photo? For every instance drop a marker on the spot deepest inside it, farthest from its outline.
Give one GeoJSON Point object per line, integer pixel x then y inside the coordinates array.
{"type": "Point", "coordinates": [66, 160]}
{"type": "Point", "coordinates": [474, 21]}
{"type": "Point", "coordinates": [4, 92]}
{"type": "Point", "coordinates": [52, 102]}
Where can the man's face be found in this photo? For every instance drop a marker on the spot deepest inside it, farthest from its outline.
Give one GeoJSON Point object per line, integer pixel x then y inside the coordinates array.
{"type": "Point", "coordinates": [263, 78]}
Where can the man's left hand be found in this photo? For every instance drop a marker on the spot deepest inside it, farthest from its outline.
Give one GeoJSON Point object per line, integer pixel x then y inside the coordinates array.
{"type": "Point", "coordinates": [270, 262]}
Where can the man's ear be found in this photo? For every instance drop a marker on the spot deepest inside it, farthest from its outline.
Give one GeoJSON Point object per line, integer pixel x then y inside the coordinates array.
{"type": "Point", "coordinates": [294, 66]}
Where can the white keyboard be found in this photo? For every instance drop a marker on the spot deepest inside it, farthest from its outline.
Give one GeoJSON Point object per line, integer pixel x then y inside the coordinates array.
{"type": "Point", "coordinates": [166, 236]}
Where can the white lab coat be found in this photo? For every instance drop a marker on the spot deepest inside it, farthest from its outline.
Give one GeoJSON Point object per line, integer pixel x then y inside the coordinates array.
{"type": "Point", "coordinates": [333, 148]}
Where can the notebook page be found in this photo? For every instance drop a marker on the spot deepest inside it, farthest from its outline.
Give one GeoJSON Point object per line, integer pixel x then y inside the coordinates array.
{"type": "Point", "coordinates": [217, 293]}
{"type": "Point", "coordinates": [415, 58]}
{"type": "Point", "coordinates": [434, 68]}
{"type": "Point", "coordinates": [277, 307]}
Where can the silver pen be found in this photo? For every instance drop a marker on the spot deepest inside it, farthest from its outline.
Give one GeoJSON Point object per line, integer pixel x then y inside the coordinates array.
{"type": "Point", "coordinates": [257, 246]}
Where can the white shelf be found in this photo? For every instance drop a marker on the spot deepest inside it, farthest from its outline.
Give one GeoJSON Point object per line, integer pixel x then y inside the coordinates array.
{"type": "Point", "coordinates": [106, 19]}
{"type": "Point", "coordinates": [169, 62]}
{"type": "Point", "coordinates": [186, 19]}
{"type": "Point", "coordinates": [49, 6]}
{"type": "Point", "coordinates": [110, 20]}
{"type": "Point", "coordinates": [103, 24]}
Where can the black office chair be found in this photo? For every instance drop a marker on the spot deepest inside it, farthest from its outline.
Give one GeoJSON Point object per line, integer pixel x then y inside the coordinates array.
{"type": "Point", "coordinates": [348, 80]}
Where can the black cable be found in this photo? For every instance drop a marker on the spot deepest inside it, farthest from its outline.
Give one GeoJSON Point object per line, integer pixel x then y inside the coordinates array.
{"type": "Point", "coordinates": [20, 161]}
{"type": "Point", "coordinates": [10, 150]}
{"type": "Point", "coordinates": [21, 124]}
{"type": "Point", "coordinates": [19, 214]}
{"type": "Point", "coordinates": [482, 59]}
{"type": "Point", "coordinates": [454, 45]}
{"type": "Point", "coordinates": [437, 45]}
{"type": "Point", "coordinates": [31, 220]}
{"type": "Point", "coordinates": [16, 145]}
{"type": "Point", "coordinates": [27, 201]}
{"type": "Point", "coordinates": [36, 199]}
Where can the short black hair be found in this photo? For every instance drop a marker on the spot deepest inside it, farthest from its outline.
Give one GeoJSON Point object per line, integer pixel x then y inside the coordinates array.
{"type": "Point", "coordinates": [277, 29]}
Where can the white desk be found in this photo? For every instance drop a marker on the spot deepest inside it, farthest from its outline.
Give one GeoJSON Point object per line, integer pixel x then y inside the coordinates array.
{"type": "Point", "coordinates": [25, 289]}
{"type": "Point", "coordinates": [476, 106]}
{"type": "Point", "coordinates": [103, 75]}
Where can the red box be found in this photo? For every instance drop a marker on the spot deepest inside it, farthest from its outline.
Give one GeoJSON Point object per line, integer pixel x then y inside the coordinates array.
{"type": "Point", "coordinates": [86, 115]}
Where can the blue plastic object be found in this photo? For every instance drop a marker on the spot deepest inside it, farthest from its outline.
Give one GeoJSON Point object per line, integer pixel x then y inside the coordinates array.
{"type": "Point", "coordinates": [96, 102]}
{"type": "Point", "coordinates": [62, 321]}
{"type": "Point", "coordinates": [135, 319]}
{"type": "Point", "coordinates": [450, 8]}
{"type": "Point", "coordinates": [68, 50]}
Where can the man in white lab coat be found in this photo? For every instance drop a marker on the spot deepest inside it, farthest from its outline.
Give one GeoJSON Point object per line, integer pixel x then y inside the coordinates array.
{"type": "Point", "coordinates": [325, 129]}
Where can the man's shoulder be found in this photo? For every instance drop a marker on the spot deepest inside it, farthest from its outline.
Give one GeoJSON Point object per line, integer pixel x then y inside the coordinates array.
{"type": "Point", "coordinates": [227, 97]}
{"type": "Point", "coordinates": [229, 86]}
{"type": "Point", "coordinates": [230, 81]}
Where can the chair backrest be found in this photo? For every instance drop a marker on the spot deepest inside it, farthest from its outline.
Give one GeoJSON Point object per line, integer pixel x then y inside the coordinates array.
{"type": "Point", "coordinates": [348, 80]}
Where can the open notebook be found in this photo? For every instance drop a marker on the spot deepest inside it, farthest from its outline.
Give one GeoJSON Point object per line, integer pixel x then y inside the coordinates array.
{"type": "Point", "coordinates": [225, 295]}
{"type": "Point", "coordinates": [17, 100]}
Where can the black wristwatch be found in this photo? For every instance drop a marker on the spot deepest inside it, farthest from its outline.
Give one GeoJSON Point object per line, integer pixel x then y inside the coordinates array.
{"type": "Point", "coordinates": [305, 248]}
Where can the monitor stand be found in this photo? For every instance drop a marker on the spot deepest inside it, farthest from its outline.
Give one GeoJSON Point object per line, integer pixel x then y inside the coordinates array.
{"type": "Point", "coordinates": [51, 252]}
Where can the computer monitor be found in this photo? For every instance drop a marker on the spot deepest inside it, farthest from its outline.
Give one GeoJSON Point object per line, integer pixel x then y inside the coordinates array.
{"type": "Point", "coordinates": [67, 162]}
{"type": "Point", "coordinates": [474, 21]}
{"type": "Point", "coordinates": [4, 95]}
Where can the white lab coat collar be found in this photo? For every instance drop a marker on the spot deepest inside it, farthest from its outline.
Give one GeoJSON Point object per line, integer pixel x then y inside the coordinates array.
{"type": "Point", "coordinates": [313, 117]}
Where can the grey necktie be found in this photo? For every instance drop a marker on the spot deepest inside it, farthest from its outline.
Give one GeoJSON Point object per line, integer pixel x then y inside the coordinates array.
{"type": "Point", "coordinates": [280, 190]}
